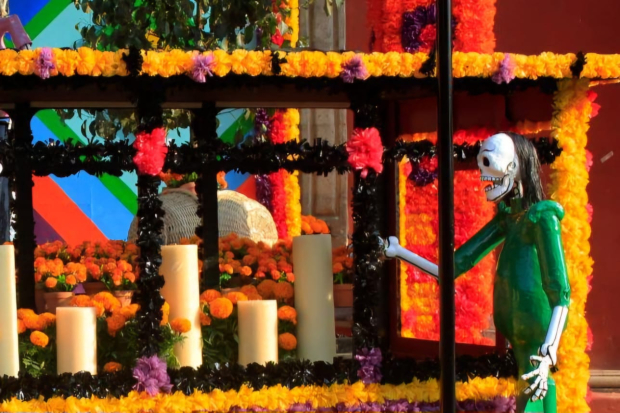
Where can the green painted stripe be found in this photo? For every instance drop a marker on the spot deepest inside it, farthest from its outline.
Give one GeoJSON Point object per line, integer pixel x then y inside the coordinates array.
{"type": "Point", "coordinates": [240, 123]}
{"type": "Point", "coordinates": [114, 184]}
{"type": "Point", "coordinates": [45, 16]}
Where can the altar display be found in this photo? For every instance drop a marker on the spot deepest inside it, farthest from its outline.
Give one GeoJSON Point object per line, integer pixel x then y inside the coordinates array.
{"type": "Point", "coordinates": [252, 300]}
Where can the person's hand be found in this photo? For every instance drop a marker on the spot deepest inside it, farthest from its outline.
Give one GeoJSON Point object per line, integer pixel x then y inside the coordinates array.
{"type": "Point", "coordinates": [539, 388]}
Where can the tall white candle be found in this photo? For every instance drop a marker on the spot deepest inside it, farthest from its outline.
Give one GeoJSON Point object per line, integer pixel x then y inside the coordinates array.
{"type": "Point", "coordinates": [314, 302]}
{"type": "Point", "coordinates": [258, 331]}
{"type": "Point", "coordinates": [76, 339]}
{"type": "Point", "coordinates": [9, 353]}
{"type": "Point", "coordinates": [182, 292]}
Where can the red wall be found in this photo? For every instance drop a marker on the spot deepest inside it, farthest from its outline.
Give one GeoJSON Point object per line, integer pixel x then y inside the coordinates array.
{"type": "Point", "coordinates": [565, 26]}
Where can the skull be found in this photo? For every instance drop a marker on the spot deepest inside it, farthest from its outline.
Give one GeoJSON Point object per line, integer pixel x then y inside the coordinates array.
{"type": "Point", "coordinates": [499, 165]}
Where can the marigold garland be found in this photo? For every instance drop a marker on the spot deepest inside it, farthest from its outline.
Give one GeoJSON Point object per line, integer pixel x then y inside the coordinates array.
{"type": "Point", "coordinates": [572, 113]}
{"type": "Point", "coordinates": [290, 124]}
{"type": "Point", "coordinates": [306, 64]}
{"type": "Point", "coordinates": [418, 226]}
{"type": "Point", "coordinates": [273, 399]}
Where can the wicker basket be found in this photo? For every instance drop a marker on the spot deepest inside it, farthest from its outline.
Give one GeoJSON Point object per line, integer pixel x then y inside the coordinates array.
{"type": "Point", "coordinates": [236, 214]}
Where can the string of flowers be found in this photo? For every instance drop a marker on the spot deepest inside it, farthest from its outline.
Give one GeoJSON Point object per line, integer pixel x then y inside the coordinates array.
{"type": "Point", "coordinates": [490, 394]}
{"type": "Point", "coordinates": [305, 64]}
{"type": "Point", "coordinates": [573, 109]}
{"type": "Point", "coordinates": [290, 124]}
{"type": "Point", "coordinates": [419, 224]}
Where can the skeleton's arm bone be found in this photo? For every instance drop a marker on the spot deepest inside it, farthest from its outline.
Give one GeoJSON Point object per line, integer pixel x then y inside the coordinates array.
{"type": "Point", "coordinates": [394, 250]}
{"type": "Point", "coordinates": [554, 333]}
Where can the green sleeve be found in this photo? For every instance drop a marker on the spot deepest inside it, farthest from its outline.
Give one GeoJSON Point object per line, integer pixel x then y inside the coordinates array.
{"type": "Point", "coordinates": [478, 246]}
{"type": "Point", "coordinates": [548, 238]}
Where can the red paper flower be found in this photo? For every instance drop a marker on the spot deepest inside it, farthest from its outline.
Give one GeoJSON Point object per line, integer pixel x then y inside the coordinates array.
{"type": "Point", "coordinates": [277, 38]}
{"type": "Point", "coordinates": [365, 150]}
{"type": "Point", "coordinates": [151, 153]}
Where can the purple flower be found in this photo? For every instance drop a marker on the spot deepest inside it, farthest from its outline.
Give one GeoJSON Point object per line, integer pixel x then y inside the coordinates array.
{"type": "Point", "coordinates": [202, 67]}
{"type": "Point", "coordinates": [261, 121]}
{"type": "Point", "coordinates": [421, 176]}
{"type": "Point", "coordinates": [354, 69]}
{"type": "Point", "coordinates": [44, 63]}
{"type": "Point", "coordinates": [264, 192]}
{"type": "Point", "coordinates": [151, 375]}
{"type": "Point", "coordinates": [413, 24]}
{"type": "Point", "coordinates": [506, 70]}
{"type": "Point", "coordinates": [370, 365]}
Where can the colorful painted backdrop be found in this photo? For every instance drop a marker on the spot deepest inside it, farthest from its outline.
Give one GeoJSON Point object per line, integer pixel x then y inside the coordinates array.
{"type": "Point", "coordinates": [84, 207]}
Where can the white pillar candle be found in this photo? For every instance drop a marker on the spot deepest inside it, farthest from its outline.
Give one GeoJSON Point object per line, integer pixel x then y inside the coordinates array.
{"type": "Point", "coordinates": [76, 339]}
{"type": "Point", "coordinates": [258, 331]}
{"type": "Point", "coordinates": [9, 353]}
{"type": "Point", "coordinates": [314, 302]}
{"type": "Point", "coordinates": [179, 268]}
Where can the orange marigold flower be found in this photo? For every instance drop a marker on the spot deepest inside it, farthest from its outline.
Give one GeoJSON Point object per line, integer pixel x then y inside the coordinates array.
{"type": "Point", "coordinates": [265, 289]}
{"type": "Point", "coordinates": [108, 300]}
{"type": "Point", "coordinates": [112, 366]}
{"type": "Point", "coordinates": [48, 319]}
{"type": "Point", "coordinates": [249, 289]}
{"type": "Point", "coordinates": [70, 280]}
{"type": "Point", "coordinates": [209, 295]}
{"type": "Point", "coordinates": [249, 260]}
{"type": "Point", "coordinates": [81, 301]}
{"type": "Point", "coordinates": [129, 276]}
{"type": "Point", "coordinates": [236, 296]}
{"type": "Point", "coordinates": [165, 313]}
{"type": "Point", "coordinates": [205, 320]}
{"type": "Point", "coordinates": [51, 282]}
{"type": "Point", "coordinates": [24, 312]}
{"type": "Point", "coordinates": [283, 291]}
{"type": "Point", "coordinates": [254, 297]}
{"type": "Point", "coordinates": [287, 313]}
{"type": "Point", "coordinates": [221, 308]}
{"type": "Point", "coordinates": [39, 339]}
{"type": "Point", "coordinates": [287, 341]}
{"type": "Point", "coordinates": [21, 327]}
{"type": "Point", "coordinates": [275, 274]}
{"type": "Point", "coordinates": [181, 325]}
{"type": "Point", "coordinates": [115, 323]}
{"type": "Point", "coordinates": [246, 271]}
{"type": "Point", "coordinates": [34, 322]}
{"type": "Point", "coordinates": [337, 268]}
{"type": "Point", "coordinates": [290, 277]}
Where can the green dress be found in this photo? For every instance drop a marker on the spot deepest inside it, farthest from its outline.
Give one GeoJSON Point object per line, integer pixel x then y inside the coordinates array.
{"type": "Point", "coordinates": [531, 280]}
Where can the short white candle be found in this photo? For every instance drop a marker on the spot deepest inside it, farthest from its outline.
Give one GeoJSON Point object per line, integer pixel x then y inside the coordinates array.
{"type": "Point", "coordinates": [76, 339]}
{"type": "Point", "coordinates": [314, 297]}
{"type": "Point", "coordinates": [9, 353]}
{"type": "Point", "coordinates": [258, 331]}
{"type": "Point", "coordinates": [179, 268]}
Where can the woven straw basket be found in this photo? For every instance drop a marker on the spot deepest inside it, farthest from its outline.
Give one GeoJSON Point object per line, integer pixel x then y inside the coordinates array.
{"type": "Point", "coordinates": [236, 214]}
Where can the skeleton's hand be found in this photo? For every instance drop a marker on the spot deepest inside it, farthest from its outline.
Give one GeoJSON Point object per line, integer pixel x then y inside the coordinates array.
{"type": "Point", "coordinates": [539, 387]}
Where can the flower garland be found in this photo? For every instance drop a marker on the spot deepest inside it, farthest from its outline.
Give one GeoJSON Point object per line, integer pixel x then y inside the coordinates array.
{"type": "Point", "coordinates": [290, 121]}
{"type": "Point", "coordinates": [489, 394]}
{"type": "Point", "coordinates": [573, 109]}
{"type": "Point", "coordinates": [306, 64]}
{"type": "Point", "coordinates": [292, 21]}
{"type": "Point", "coordinates": [392, 23]}
{"type": "Point", "coordinates": [418, 226]}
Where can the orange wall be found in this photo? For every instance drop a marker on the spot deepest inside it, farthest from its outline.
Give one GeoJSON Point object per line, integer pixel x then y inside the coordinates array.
{"type": "Point", "coordinates": [565, 26]}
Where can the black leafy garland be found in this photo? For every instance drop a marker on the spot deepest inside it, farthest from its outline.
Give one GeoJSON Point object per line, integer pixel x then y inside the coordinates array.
{"type": "Point", "coordinates": [232, 376]}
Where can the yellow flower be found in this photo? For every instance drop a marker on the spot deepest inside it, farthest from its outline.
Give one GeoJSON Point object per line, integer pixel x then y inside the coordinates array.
{"type": "Point", "coordinates": [165, 310]}
{"type": "Point", "coordinates": [25, 62]}
{"type": "Point", "coordinates": [66, 61]}
{"type": "Point", "coordinates": [222, 63]}
{"type": "Point", "coordinates": [9, 65]}
{"type": "Point", "coordinates": [86, 61]}
{"type": "Point", "coordinates": [151, 63]}
{"type": "Point", "coordinates": [39, 339]}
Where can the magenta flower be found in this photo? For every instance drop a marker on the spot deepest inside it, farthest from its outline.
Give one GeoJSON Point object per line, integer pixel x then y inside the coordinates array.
{"type": "Point", "coordinates": [202, 67]}
{"type": "Point", "coordinates": [44, 63]}
{"type": "Point", "coordinates": [370, 365]}
{"type": "Point", "coordinates": [506, 71]}
{"type": "Point", "coordinates": [152, 376]}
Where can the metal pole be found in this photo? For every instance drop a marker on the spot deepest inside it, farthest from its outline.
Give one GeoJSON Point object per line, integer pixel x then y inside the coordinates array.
{"type": "Point", "coordinates": [446, 206]}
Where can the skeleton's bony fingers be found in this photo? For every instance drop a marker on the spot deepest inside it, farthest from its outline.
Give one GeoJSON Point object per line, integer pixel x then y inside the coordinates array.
{"type": "Point", "coordinates": [536, 360]}
{"type": "Point", "coordinates": [533, 386]}
{"type": "Point", "coordinates": [531, 374]}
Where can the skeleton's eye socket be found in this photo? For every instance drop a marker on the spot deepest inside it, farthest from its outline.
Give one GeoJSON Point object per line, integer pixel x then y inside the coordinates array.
{"type": "Point", "coordinates": [485, 161]}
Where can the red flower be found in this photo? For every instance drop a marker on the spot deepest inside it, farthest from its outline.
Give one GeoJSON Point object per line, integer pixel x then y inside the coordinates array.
{"type": "Point", "coordinates": [151, 153]}
{"type": "Point", "coordinates": [592, 95]}
{"type": "Point", "coordinates": [365, 150]}
{"type": "Point", "coordinates": [277, 38]}
{"type": "Point", "coordinates": [427, 38]}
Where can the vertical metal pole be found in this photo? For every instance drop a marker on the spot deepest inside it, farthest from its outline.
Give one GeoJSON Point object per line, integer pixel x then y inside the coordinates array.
{"type": "Point", "coordinates": [5, 191]}
{"type": "Point", "coordinates": [446, 206]}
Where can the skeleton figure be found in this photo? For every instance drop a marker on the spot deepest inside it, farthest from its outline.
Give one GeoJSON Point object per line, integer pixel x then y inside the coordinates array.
{"type": "Point", "coordinates": [531, 290]}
